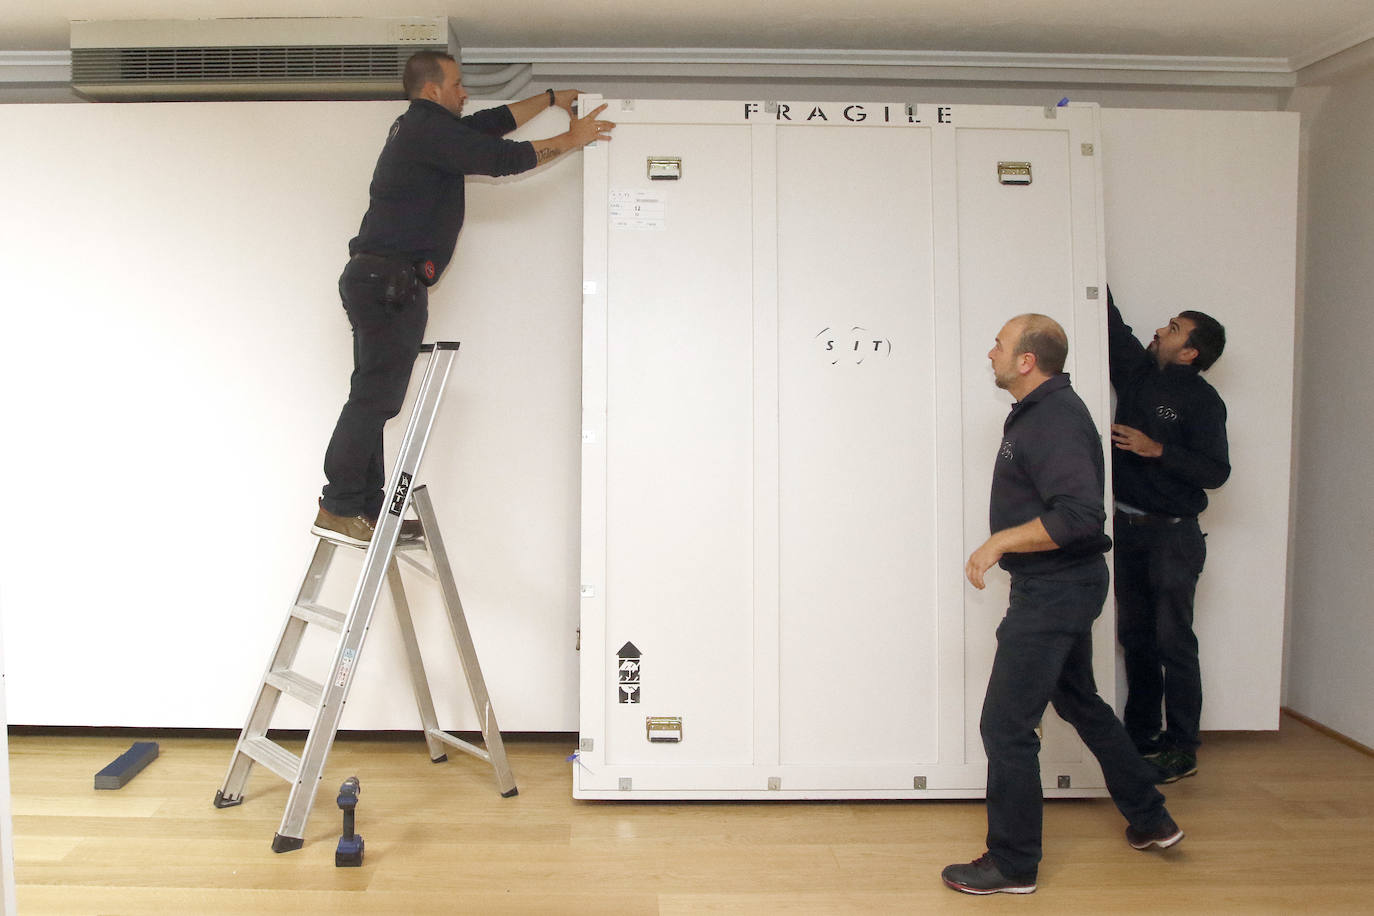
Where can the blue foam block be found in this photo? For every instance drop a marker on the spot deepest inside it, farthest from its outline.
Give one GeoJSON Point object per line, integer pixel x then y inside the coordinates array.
{"type": "Point", "coordinates": [127, 765]}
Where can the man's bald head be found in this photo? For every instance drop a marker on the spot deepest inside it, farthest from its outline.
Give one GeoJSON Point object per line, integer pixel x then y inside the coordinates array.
{"type": "Point", "coordinates": [1044, 338]}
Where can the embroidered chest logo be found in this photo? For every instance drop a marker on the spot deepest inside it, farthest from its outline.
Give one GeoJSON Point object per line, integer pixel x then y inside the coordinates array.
{"type": "Point", "coordinates": [1005, 451]}
{"type": "Point", "coordinates": [1165, 412]}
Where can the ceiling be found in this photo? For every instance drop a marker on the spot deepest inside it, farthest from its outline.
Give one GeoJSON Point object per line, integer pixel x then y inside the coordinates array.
{"type": "Point", "coordinates": [1289, 33]}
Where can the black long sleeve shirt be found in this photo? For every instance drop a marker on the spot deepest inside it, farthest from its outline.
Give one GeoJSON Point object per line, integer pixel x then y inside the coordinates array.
{"type": "Point", "coordinates": [1050, 467]}
{"type": "Point", "coordinates": [1177, 408]}
{"type": "Point", "coordinates": [417, 201]}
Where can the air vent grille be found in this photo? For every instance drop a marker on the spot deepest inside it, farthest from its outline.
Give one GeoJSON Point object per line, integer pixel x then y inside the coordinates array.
{"type": "Point", "coordinates": [208, 64]}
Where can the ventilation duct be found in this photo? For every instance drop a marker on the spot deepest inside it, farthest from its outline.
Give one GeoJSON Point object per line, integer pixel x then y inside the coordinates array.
{"type": "Point", "coordinates": [271, 58]}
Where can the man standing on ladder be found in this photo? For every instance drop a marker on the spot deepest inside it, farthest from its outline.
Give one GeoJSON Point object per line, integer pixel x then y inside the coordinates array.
{"type": "Point", "coordinates": [407, 238]}
{"type": "Point", "coordinates": [1170, 445]}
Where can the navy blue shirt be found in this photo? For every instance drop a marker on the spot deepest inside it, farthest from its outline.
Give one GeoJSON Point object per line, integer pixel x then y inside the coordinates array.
{"type": "Point", "coordinates": [1050, 467]}
{"type": "Point", "coordinates": [1175, 407]}
{"type": "Point", "coordinates": [417, 200]}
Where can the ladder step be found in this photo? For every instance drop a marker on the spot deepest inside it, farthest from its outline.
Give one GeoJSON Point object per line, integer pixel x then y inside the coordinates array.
{"type": "Point", "coordinates": [416, 564]}
{"type": "Point", "coordinates": [326, 617]}
{"type": "Point", "coordinates": [273, 756]}
{"type": "Point", "coordinates": [296, 686]}
{"type": "Point", "coordinates": [338, 540]}
{"type": "Point", "coordinates": [438, 734]}
{"type": "Point", "coordinates": [412, 544]}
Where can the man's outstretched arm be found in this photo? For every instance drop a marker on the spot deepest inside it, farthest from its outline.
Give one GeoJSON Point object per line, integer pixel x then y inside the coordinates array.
{"type": "Point", "coordinates": [581, 131]}
{"type": "Point", "coordinates": [525, 109]}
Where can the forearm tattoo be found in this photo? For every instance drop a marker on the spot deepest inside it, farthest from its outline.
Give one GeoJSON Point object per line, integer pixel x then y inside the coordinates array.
{"type": "Point", "coordinates": [543, 154]}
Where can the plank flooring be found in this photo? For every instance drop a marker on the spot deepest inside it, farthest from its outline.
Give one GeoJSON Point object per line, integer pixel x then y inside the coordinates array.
{"type": "Point", "coordinates": [1275, 822]}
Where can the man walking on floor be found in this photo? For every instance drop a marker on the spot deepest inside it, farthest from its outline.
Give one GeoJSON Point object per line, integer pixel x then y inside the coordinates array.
{"type": "Point", "coordinates": [1046, 516]}
{"type": "Point", "coordinates": [1170, 446]}
{"type": "Point", "coordinates": [406, 240]}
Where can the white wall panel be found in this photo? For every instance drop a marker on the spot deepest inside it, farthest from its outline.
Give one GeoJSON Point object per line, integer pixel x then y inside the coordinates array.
{"type": "Point", "coordinates": [1017, 253]}
{"type": "Point", "coordinates": [679, 439]}
{"type": "Point", "coordinates": [1201, 214]}
{"type": "Point", "coordinates": [856, 330]}
{"type": "Point", "coordinates": [175, 355]}
{"type": "Point", "coordinates": [174, 359]}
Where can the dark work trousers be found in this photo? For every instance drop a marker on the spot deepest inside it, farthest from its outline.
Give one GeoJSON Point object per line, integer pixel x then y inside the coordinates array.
{"type": "Point", "coordinates": [1044, 655]}
{"type": "Point", "coordinates": [1157, 567]}
{"type": "Point", "coordinates": [387, 307]}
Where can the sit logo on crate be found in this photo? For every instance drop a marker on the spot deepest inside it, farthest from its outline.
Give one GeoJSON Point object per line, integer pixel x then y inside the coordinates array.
{"type": "Point", "coordinates": [853, 347]}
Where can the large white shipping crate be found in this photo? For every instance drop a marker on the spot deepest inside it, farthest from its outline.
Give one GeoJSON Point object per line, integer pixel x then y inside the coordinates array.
{"type": "Point", "coordinates": [789, 427]}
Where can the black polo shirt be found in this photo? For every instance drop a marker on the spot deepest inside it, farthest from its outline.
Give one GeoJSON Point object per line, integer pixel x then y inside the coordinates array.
{"type": "Point", "coordinates": [1050, 467]}
{"type": "Point", "coordinates": [417, 196]}
{"type": "Point", "coordinates": [1175, 407]}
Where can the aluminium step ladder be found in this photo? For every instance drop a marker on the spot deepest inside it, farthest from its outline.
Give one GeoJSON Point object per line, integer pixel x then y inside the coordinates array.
{"type": "Point", "coordinates": [305, 772]}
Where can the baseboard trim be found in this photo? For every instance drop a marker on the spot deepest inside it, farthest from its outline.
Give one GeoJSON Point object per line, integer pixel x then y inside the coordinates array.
{"type": "Point", "coordinates": [284, 734]}
{"type": "Point", "coordinates": [1328, 731]}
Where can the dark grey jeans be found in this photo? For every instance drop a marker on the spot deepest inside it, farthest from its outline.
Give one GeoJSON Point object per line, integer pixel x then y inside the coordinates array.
{"type": "Point", "coordinates": [1044, 655]}
{"type": "Point", "coordinates": [388, 308]}
{"type": "Point", "coordinates": [1157, 568]}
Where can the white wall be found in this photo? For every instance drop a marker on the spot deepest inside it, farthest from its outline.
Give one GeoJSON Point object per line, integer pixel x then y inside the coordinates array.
{"type": "Point", "coordinates": [1330, 675]}
{"type": "Point", "coordinates": [173, 361]}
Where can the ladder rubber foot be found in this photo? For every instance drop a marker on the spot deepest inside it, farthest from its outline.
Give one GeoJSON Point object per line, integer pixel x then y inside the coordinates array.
{"type": "Point", "coordinates": [442, 758]}
{"type": "Point", "coordinates": [511, 793]}
{"type": "Point", "coordinates": [286, 843]}
{"type": "Point", "coordinates": [226, 801]}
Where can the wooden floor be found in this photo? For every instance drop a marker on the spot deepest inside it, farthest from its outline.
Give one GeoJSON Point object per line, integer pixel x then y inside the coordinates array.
{"type": "Point", "coordinates": [1275, 822]}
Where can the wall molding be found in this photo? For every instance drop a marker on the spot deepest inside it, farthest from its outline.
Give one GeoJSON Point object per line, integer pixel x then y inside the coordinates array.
{"type": "Point", "coordinates": [1337, 65]}
{"type": "Point", "coordinates": [36, 67]}
{"type": "Point", "coordinates": [1328, 49]}
{"type": "Point", "coordinates": [804, 57]}
{"type": "Point", "coordinates": [1327, 730]}
{"type": "Point", "coordinates": [1356, 48]}
{"type": "Point", "coordinates": [895, 66]}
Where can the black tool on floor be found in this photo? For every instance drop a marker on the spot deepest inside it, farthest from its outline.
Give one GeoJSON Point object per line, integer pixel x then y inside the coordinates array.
{"type": "Point", "coordinates": [127, 765]}
{"type": "Point", "coordinates": [350, 851]}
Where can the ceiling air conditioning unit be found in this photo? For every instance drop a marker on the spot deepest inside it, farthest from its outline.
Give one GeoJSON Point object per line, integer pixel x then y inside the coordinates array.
{"type": "Point", "coordinates": [185, 59]}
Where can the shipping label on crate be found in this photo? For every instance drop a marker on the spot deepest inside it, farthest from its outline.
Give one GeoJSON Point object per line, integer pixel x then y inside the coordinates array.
{"type": "Point", "coordinates": [644, 210]}
{"type": "Point", "coordinates": [627, 673]}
